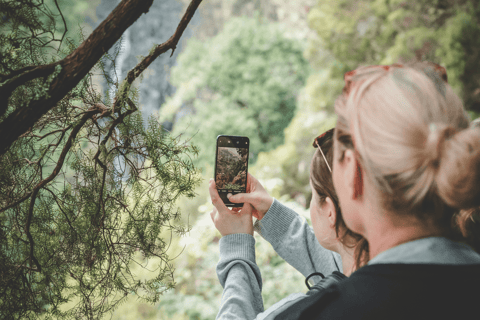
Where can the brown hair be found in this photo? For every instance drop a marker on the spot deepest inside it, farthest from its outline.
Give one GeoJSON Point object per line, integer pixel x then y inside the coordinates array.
{"type": "Point", "coordinates": [467, 223]}
{"type": "Point", "coordinates": [411, 135]}
{"type": "Point", "coordinates": [322, 182]}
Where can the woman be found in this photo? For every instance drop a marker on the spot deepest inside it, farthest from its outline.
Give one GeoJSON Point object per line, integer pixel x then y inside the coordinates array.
{"type": "Point", "coordinates": [292, 238]}
{"type": "Point", "coordinates": [406, 161]}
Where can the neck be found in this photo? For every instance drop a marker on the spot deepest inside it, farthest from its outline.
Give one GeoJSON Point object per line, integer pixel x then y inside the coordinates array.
{"type": "Point", "coordinates": [384, 234]}
{"type": "Point", "coordinates": [347, 259]}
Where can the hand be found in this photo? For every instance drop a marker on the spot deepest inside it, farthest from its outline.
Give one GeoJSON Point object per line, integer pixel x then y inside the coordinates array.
{"type": "Point", "coordinates": [228, 221]}
{"type": "Point", "coordinates": [256, 196]}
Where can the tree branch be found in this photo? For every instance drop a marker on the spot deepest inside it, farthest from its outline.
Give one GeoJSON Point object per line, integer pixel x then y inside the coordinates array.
{"type": "Point", "coordinates": [55, 172]}
{"type": "Point", "coordinates": [29, 74]}
{"type": "Point", "coordinates": [73, 69]}
{"type": "Point", "coordinates": [64, 24]}
{"type": "Point", "coordinates": [159, 49]}
{"type": "Point", "coordinates": [103, 143]}
{"type": "Point", "coordinates": [60, 207]}
{"type": "Point", "coordinates": [4, 77]}
{"type": "Point", "coordinates": [25, 197]}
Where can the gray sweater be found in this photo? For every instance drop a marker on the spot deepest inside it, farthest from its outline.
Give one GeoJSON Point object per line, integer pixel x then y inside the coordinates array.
{"type": "Point", "coordinates": [292, 238]}
{"type": "Point", "coordinates": [295, 241]}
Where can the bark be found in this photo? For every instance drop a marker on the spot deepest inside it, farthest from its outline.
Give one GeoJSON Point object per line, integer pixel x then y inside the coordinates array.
{"type": "Point", "coordinates": [73, 69]}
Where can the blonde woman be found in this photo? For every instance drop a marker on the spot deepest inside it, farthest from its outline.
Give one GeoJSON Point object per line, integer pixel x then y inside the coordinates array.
{"type": "Point", "coordinates": [406, 160]}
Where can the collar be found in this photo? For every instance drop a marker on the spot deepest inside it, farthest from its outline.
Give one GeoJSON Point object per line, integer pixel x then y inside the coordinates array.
{"type": "Point", "coordinates": [431, 250]}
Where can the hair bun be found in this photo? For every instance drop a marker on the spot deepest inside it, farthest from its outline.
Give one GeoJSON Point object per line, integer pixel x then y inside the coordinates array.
{"type": "Point", "coordinates": [459, 174]}
{"type": "Point", "coordinates": [434, 146]}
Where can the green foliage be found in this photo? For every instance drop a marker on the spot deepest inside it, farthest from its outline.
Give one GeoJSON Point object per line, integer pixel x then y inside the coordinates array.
{"type": "Point", "coordinates": [354, 33]}
{"type": "Point", "coordinates": [244, 82]}
{"type": "Point", "coordinates": [88, 194]}
{"type": "Point", "coordinates": [90, 225]}
{"type": "Point", "coordinates": [289, 163]}
{"type": "Point", "coordinates": [460, 53]}
{"type": "Point", "coordinates": [385, 31]}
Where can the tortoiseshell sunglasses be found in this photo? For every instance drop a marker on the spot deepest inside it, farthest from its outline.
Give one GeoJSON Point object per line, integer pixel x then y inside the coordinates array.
{"type": "Point", "coordinates": [320, 140]}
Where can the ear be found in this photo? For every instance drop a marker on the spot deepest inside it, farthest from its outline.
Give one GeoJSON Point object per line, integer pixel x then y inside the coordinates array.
{"type": "Point", "coordinates": [353, 174]}
{"type": "Point", "coordinates": [358, 181]}
{"type": "Point", "coordinates": [332, 212]}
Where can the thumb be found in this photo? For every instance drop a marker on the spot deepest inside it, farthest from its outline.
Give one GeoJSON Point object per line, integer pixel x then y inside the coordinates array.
{"type": "Point", "coordinates": [216, 200]}
{"type": "Point", "coordinates": [241, 198]}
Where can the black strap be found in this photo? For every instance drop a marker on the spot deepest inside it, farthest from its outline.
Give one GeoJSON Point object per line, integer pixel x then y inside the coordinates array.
{"type": "Point", "coordinates": [311, 275]}
{"type": "Point", "coordinates": [320, 293]}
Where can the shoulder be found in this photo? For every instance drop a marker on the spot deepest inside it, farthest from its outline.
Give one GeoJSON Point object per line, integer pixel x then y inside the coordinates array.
{"type": "Point", "coordinates": [401, 291]}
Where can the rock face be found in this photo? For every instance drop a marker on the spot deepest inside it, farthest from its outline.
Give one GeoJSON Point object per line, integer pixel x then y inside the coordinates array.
{"type": "Point", "coordinates": [159, 24]}
{"type": "Point", "coordinates": [231, 169]}
{"type": "Point", "coordinates": [155, 27]}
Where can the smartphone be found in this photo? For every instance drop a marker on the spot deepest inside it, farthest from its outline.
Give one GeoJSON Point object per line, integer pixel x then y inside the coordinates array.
{"type": "Point", "coordinates": [231, 167]}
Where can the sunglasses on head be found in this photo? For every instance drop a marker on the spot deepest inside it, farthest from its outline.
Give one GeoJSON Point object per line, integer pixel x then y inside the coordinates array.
{"type": "Point", "coordinates": [435, 72]}
{"type": "Point", "coordinates": [320, 140]}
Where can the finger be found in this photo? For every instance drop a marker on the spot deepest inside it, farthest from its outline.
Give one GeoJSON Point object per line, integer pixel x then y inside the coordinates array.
{"type": "Point", "coordinates": [249, 181]}
{"type": "Point", "coordinates": [252, 182]}
{"type": "Point", "coordinates": [216, 200]}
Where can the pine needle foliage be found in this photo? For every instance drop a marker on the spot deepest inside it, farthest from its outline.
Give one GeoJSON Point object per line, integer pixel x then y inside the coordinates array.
{"type": "Point", "coordinates": [88, 192]}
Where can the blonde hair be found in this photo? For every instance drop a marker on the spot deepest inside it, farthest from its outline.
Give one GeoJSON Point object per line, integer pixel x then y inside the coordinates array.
{"type": "Point", "coordinates": [411, 135]}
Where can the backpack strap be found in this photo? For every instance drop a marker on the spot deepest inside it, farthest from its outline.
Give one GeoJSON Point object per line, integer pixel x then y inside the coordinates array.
{"type": "Point", "coordinates": [322, 290]}
{"type": "Point", "coordinates": [335, 277]}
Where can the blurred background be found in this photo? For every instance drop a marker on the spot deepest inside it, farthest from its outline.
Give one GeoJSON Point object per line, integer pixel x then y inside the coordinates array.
{"type": "Point", "coordinates": [269, 70]}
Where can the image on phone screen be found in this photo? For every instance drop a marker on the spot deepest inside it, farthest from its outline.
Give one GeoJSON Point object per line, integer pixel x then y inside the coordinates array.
{"type": "Point", "coordinates": [231, 167]}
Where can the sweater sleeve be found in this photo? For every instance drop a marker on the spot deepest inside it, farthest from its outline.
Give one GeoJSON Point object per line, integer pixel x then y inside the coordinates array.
{"type": "Point", "coordinates": [240, 278]}
{"type": "Point", "coordinates": [294, 240]}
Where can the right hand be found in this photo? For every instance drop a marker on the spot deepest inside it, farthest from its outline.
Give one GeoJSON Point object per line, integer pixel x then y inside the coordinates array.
{"type": "Point", "coordinates": [228, 221]}
{"type": "Point", "coordinates": [256, 196]}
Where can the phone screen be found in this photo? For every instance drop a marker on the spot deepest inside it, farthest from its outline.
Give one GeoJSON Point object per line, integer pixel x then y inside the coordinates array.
{"type": "Point", "coordinates": [231, 167]}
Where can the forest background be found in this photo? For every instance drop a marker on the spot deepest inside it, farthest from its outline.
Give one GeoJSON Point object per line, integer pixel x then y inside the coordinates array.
{"type": "Point", "coordinates": [270, 70]}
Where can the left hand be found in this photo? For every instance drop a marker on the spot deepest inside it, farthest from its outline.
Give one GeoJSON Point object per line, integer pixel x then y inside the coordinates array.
{"type": "Point", "coordinates": [228, 221]}
{"type": "Point", "coordinates": [256, 195]}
